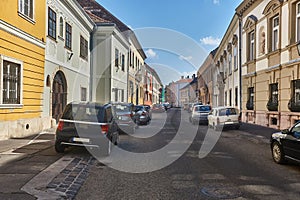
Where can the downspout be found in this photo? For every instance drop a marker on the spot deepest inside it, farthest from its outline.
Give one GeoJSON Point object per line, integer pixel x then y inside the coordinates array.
{"type": "Point", "coordinates": [240, 59]}
{"type": "Point", "coordinates": [91, 62]}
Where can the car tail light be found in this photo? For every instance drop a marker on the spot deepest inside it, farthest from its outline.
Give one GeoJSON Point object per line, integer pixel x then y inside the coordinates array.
{"type": "Point", "coordinates": [218, 120]}
{"type": "Point", "coordinates": [104, 129]}
{"type": "Point", "coordinates": [60, 125]}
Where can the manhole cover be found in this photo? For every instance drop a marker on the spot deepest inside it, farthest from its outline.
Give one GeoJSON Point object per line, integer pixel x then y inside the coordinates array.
{"type": "Point", "coordinates": [221, 192]}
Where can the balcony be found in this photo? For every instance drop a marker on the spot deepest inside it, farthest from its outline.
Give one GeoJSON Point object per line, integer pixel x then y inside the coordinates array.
{"type": "Point", "coordinates": [249, 105]}
{"type": "Point", "coordinates": [272, 106]}
{"type": "Point", "coordinates": [294, 105]}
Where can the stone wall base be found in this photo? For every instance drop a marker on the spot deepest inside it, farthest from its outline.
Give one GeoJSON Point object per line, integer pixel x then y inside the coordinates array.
{"type": "Point", "coordinates": [276, 120]}
{"type": "Point", "coordinates": [24, 127]}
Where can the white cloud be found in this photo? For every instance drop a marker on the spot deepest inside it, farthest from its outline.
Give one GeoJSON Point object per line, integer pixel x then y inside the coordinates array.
{"type": "Point", "coordinates": [151, 54]}
{"type": "Point", "coordinates": [216, 2]}
{"type": "Point", "coordinates": [210, 41]}
{"type": "Point", "coordinates": [187, 58]}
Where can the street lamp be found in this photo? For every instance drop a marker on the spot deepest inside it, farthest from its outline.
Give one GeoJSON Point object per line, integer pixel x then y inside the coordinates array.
{"type": "Point", "coordinates": [298, 47]}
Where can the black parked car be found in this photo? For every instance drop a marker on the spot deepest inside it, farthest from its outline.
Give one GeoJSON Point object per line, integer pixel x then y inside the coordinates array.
{"type": "Point", "coordinates": [286, 144]}
{"type": "Point", "coordinates": [87, 124]}
{"type": "Point", "coordinates": [124, 116]}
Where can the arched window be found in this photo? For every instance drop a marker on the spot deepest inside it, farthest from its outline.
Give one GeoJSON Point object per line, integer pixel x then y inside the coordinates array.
{"type": "Point", "coordinates": [61, 27]}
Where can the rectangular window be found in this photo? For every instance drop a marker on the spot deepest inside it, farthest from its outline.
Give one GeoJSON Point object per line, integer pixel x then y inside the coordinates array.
{"type": "Point", "coordinates": [123, 63]}
{"type": "Point", "coordinates": [116, 58]}
{"type": "Point", "coordinates": [83, 94]}
{"type": "Point", "coordinates": [68, 36]}
{"type": "Point", "coordinates": [275, 32]}
{"type": "Point", "coordinates": [11, 82]}
{"type": "Point", "coordinates": [122, 95]}
{"type": "Point", "coordinates": [274, 93]}
{"type": "Point", "coordinates": [236, 95]}
{"type": "Point", "coordinates": [225, 67]}
{"type": "Point", "coordinates": [116, 94]}
{"type": "Point", "coordinates": [229, 64]}
{"type": "Point", "coordinates": [298, 22]}
{"type": "Point", "coordinates": [251, 45]}
{"type": "Point", "coordinates": [250, 102]}
{"type": "Point", "coordinates": [235, 61]}
{"type": "Point", "coordinates": [51, 23]}
{"type": "Point", "coordinates": [132, 60]}
{"type": "Point", "coordinates": [83, 48]}
{"type": "Point", "coordinates": [296, 91]}
{"type": "Point", "coordinates": [230, 97]}
{"type": "Point", "coordinates": [225, 97]}
{"type": "Point", "coordinates": [26, 8]}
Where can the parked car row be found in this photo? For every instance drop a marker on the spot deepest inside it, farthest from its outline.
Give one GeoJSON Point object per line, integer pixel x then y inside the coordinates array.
{"type": "Point", "coordinates": [216, 118]}
{"type": "Point", "coordinates": [97, 125]}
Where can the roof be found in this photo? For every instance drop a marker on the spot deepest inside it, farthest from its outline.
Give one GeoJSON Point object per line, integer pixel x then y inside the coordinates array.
{"type": "Point", "coordinates": [102, 14]}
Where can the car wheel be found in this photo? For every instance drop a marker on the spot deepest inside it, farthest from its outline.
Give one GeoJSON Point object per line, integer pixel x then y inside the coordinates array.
{"type": "Point", "coordinates": [214, 127]}
{"type": "Point", "coordinates": [277, 153]}
{"type": "Point", "coordinates": [59, 148]}
{"type": "Point", "coordinates": [116, 139]}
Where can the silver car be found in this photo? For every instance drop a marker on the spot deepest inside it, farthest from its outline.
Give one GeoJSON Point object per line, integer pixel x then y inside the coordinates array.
{"type": "Point", "coordinates": [124, 116]}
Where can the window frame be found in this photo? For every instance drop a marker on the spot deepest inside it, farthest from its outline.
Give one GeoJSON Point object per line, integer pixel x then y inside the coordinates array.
{"type": "Point", "coordinates": [21, 10]}
{"type": "Point", "coordinates": [20, 63]}
{"type": "Point", "coordinates": [68, 36]}
{"type": "Point", "coordinates": [83, 93]}
{"type": "Point", "coordinates": [61, 27]}
{"type": "Point", "coordinates": [123, 62]}
{"type": "Point", "coordinates": [84, 46]}
{"type": "Point", "coordinates": [273, 95]}
{"type": "Point", "coordinates": [296, 90]}
{"type": "Point", "coordinates": [251, 48]}
{"type": "Point", "coordinates": [275, 29]}
{"type": "Point", "coordinates": [51, 22]}
{"type": "Point", "coordinates": [117, 57]}
{"type": "Point", "coordinates": [297, 15]}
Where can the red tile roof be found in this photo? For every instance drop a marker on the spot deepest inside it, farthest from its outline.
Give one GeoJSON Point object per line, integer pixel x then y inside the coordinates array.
{"type": "Point", "coordinates": [100, 14]}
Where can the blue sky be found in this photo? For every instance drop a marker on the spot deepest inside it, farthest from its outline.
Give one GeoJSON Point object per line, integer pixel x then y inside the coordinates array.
{"type": "Point", "coordinates": [176, 35]}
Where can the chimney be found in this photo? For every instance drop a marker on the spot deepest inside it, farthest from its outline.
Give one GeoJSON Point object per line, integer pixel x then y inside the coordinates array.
{"type": "Point", "coordinates": [194, 76]}
{"type": "Point", "coordinates": [188, 77]}
{"type": "Point", "coordinates": [182, 77]}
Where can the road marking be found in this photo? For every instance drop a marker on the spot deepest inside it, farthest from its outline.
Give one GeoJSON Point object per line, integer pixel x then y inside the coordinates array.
{"type": "Point", "coordinates": [41, 133]}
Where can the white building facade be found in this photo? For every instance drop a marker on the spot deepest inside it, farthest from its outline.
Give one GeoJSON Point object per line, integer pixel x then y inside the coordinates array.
{"type": "Point", "coordinates": [109, 64]}
{"type": "Point", "coordinates": [67, 60]}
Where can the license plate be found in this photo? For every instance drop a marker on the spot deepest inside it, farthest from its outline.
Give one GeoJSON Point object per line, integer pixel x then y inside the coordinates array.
{"type": "Point", "coordinates": [86, 140]}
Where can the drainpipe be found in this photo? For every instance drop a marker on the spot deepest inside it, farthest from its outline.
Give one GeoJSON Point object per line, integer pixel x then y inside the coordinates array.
{"type": "Point", "coordinates": [91, 62]}
{"type": "Point", "coordinates": [240, 58]}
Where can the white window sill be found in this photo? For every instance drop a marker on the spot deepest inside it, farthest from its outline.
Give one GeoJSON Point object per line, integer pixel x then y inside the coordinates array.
{"type": "Point", "coordinates": [10, 106]}
{"type": "Point", "coordinates": [26, 17]}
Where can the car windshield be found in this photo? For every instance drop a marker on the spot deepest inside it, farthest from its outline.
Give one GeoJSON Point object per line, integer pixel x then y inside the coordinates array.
{"type": "Point", "coordinates": [202, 108]}
{"type": "Point", "coordinates": [227, 111]}
{"type": "Point", "coordinates": [137, 108]}
{"type": "Point", "coordinates": [122, 108]}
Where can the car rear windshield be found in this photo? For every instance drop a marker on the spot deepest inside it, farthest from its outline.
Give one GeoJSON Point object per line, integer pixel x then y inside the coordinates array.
{"type": "Point", "coordinates": [202, 108]}
{"type": "Point", "coordinates": [122, 108]}
{"type": "Point", "coordinates": [228, 111]}
{"type": "Point", "coordinates": [87, 113]}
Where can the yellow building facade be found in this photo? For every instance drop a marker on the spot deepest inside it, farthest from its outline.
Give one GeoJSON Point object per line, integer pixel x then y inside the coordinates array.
{"type": "Point", "coordinates": [270, 62]}
{"type": "Point", "coordinates": [22, 55]}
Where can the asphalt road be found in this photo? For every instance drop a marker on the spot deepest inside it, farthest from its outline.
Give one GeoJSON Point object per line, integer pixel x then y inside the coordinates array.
{"type": "Point", "coordinates": [239, 165]}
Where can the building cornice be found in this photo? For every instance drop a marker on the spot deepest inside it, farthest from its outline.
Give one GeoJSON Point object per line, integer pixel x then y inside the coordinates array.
{"type": "Point", "coordinates": [21, 34]}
